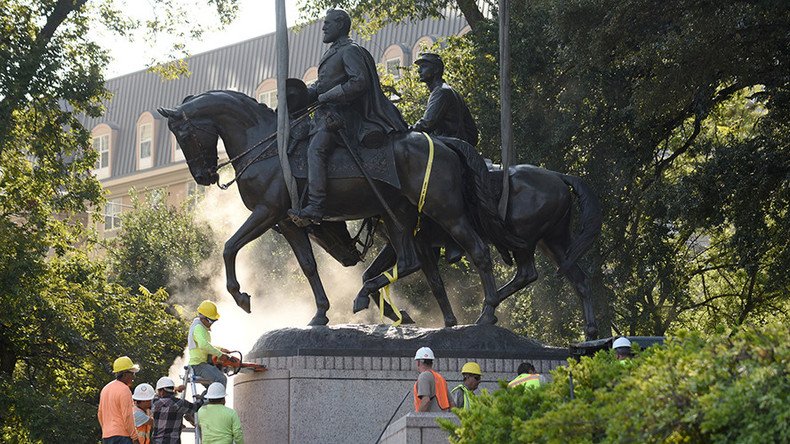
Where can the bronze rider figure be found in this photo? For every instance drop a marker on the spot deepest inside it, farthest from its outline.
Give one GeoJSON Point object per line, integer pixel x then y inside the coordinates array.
{"type": "Point", "coordinates": [349, 91]}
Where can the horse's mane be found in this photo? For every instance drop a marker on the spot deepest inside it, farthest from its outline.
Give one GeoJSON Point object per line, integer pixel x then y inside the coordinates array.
{"type": "Point", "coordinates": [249, 106]}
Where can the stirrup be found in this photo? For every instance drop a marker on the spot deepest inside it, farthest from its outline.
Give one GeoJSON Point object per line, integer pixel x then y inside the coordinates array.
{"type": "Point", "coordinates": [303, 220]}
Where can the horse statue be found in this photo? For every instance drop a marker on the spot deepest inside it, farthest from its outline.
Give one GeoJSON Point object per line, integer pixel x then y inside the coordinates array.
{"type": "Point", "coordinates": [539, 213]}
{"type": "Point", "coordinates": [240, 121]}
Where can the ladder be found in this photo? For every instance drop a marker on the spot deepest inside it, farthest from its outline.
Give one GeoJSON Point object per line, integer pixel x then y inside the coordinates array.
{"type": "Point", "coordinates": [190, 381]}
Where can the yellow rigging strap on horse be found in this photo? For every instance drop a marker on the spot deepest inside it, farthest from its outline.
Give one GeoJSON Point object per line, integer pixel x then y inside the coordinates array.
{"type": "Point", "coordinates": [425, 181]}
{"type": "Point", "coordinates": [385, 294]}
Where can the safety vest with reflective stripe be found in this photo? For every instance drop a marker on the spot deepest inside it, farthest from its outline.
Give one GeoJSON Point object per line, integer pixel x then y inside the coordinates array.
{"type": "Point", "coordinates": [441, 392]}
{"type": "Point", "coordinates": [468, 394]}
{"type": "Point", "coordinates": [528, 379]}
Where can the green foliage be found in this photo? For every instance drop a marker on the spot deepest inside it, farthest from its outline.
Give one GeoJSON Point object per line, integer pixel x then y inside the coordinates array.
{"type": "Point", "coordinates": [62, 323]}
{"type": "Point", "coordinates": [160, 246]}
{"type": "Point", "coordinates": [730, 386]}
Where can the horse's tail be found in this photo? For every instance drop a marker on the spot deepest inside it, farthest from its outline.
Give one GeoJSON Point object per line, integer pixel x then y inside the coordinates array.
{"type": "Point", "coordinates": [482, 200]}
{"type": "Point", "coordinates": [591, 219]}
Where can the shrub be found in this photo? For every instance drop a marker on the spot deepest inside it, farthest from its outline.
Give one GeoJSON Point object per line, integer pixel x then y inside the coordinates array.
{"type": "Point", "coordinates": [731, 386]}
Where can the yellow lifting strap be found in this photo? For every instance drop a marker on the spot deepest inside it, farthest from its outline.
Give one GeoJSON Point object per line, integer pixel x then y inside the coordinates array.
{"type": "Point", "coordinates": [425, 181]}
{"type": "Point", "coordinates": [385, 295]}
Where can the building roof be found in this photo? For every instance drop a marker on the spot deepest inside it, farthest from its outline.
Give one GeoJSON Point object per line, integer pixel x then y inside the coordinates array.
{"type": "Point", "coordinates": [242, 67]}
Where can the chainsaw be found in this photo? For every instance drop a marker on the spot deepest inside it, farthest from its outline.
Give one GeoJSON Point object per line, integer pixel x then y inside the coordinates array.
{"type": "Point", "coordinates": [231, 365]}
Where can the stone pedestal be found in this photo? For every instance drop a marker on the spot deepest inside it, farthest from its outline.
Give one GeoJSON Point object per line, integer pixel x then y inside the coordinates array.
{"type": "Point", "coordinates": [342, 384]}
{"type": "Point", "coordinates": [417, 428]}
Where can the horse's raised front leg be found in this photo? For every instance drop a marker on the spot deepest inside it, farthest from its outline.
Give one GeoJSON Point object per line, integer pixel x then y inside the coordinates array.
{"type": "Point", "coordinates": [259, 221]}
{"type": "Point", "coordinates": [300, 244]}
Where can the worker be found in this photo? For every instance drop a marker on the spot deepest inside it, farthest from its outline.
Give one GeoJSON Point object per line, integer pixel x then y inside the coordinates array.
{"type": "Point", "coordinates": [169, 412]}
{"type": "Point", "coordinates": [219, 424]}
{"type": "Point", "coordinates": [622, 349]}
{"type": "Point", "coordinates": [142, 396]}
{"type": "Point", "coordinates": [115, 405]}
{"type": "Point", "coordinates": [464, 392]}
{"type": "Point", "coordinates": [526, 376]}
{"type": "Point", "coordinates": [430, 390]}
{"type": "Point", "coordinates": [199, 344]}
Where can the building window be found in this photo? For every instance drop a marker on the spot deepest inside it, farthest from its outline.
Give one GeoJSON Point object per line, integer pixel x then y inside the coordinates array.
{"type": "Point", "coordinates": [102, 146]}
{"type": "Point", "coordinates": [145, 146]}
{"type": "Point", "coordinates": [310, 76]}
{"type": "Point", "coordinates": [112, 214]}
{"type": "Point", "coordinates": [393, 58]}
{"type": "Point", "coordinates": [266, 93]}
{"type": "Point", "coordinates": [178, 153]}
{"type": "Point", "coordinates": [269, 98]}
{"type": "Point", "coordinates": [393, 67]}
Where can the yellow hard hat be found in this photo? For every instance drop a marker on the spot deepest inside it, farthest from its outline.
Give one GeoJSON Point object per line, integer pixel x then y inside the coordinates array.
{"type": "Point", "coordinates": [124, 364]}
{"type": "Point", "coordinates": [209, 310]}
{"type": "Point", "coordinates": [473, 368]}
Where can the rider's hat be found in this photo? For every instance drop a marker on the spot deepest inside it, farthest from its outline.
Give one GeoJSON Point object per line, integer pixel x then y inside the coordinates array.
{"type": "Point", "coordinates": [431, 58]}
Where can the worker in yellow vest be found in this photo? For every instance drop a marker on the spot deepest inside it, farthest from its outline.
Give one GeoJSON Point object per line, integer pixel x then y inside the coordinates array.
{"type": "Point", "coordinates": [464, 392]}
{"type": "Point", "coordinates": [199, 344]}
{"type": "Point", "coordinates": [526, 376]}
{"type": "Point", "coordinates": [430, 390]}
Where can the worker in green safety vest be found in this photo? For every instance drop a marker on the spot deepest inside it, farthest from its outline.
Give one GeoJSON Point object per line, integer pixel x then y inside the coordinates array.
{"type": "Point", "coordinates": [526, 376]}
{"type": "Point", "coordinates": [464, 392]}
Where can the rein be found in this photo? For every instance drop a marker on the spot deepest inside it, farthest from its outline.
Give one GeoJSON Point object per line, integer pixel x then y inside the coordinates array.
{"type": "Point", "coordinates": [268, 138]}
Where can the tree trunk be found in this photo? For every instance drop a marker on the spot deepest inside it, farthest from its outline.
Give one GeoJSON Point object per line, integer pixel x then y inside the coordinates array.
{"type": "Point", "coordinates": [471, 12]}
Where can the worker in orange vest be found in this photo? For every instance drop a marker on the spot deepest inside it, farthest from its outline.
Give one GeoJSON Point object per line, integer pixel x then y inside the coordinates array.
{"type": "Point", "coordinates": [430, 390]}
{"type": "Point", "coordinates": [142, 396]}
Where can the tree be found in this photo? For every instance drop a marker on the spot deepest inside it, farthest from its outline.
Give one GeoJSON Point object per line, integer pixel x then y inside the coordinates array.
{"type": "Point", "coordinates": [160, 246]}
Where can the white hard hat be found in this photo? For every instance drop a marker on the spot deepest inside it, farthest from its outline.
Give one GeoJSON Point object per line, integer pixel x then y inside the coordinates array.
{"type": "Point", "coordinates": [621, 342]}
{"type": "Point", "coordinates": [143, 392]}
{"type": "Point", "coordinates": [215, 391]}
{"type": "Point", "coordinates": [164, 383]}
{"type": "Point", "coordinates": [424, 353]}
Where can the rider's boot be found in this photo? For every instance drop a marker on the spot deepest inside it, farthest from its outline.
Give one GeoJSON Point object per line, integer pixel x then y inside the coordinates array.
{"type": "Point", "coordinates": [316, 191]}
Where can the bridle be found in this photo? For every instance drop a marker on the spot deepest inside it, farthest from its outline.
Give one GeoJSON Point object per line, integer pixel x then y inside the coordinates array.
{"type": "Point", "coordinates": [202, 152]}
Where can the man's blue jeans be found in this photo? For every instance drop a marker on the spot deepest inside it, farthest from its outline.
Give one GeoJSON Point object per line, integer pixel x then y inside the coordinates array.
{"type": "Point", "coordinates": [210, 372]}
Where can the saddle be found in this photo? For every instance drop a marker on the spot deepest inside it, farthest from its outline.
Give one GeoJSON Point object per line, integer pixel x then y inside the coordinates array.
{"type": "Point", "coordinates": [379, 162]}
